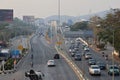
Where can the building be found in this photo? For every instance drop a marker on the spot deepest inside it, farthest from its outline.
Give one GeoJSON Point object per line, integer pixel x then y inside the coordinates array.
{"type": "Point", "coordinates": [54, 23]}
{"type": "Point", "coordinates": [6, 15]}
{"type": "Point", "coordinates": [29, 19]}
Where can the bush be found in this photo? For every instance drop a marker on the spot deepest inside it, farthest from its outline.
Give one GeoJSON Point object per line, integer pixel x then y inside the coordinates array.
{"type": "Point", "coordinates": [8, 65]}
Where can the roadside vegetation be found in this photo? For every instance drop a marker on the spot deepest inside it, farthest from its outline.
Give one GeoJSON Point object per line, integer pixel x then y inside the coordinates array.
{"type": "Point", "coordinates": [107, 29]}
{"type": "Point", "coordinates": [83, 25]}
{"type": "Point", "coordinates": [16, 28]}
{"type": "Point", "coordinates": [12, 30]}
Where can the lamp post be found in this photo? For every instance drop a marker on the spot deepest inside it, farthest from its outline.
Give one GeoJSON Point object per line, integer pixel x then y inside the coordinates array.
{"type": "Point", "coordinates": [113, 40]}
{"type": "Point", "coordinates": [113, 55]}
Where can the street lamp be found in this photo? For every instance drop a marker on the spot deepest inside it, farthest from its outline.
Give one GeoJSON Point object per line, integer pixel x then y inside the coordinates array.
{"type": "Point", "coordinates": [113, 40]}
{"type": "Point", "coordinates": [113, 54]}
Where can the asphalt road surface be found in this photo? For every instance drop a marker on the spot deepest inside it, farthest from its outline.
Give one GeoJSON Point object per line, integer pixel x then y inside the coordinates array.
{"type": "Point", "coordinates": [42, 52]}
{"type": "Point", "coordinates": [83, 65]}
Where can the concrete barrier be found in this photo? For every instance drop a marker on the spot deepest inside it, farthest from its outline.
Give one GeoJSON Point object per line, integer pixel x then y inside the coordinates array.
{"type": "Point", "coordinates": [75, 68]}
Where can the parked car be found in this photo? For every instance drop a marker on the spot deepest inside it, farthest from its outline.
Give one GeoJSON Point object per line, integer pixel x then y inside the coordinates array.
{"type": "Point", "coordinates": [94, 70]}
{"type": "Point", "coordinates": [113, 69]}
{"type": "Point", "coordinates": [51, 63]}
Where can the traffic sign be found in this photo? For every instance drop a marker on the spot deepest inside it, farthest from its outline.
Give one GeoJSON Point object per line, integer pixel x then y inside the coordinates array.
{"type": "Point", "coordinates": [20, 47]}
{"type": "Point", "coordinates": [59, 43]}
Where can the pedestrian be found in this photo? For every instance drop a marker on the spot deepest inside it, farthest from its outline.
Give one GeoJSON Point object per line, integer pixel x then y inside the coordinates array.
{"type": "Point", "coordinates": [103, 54]}
{"type": "Point", "coordinates": [106, 57]}
{"type": "Point", "coordinates": [31, 64]}
{"type": "Point", "coordinates": [31, 56]}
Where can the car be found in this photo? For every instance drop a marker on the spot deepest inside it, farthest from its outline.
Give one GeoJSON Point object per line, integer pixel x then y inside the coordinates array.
{"type": "Point", "coordinates": [91, 62]}
{"type": "Point", "coordinates": [101, 65]}
{"type": "Point", "coordinates": [37, 75]}
{"type": "Point", "coordinates": [78, 40]}
{"type": "Point", "coordinates": [94, 70]}
{"type": "Point", "coordinates": [72, 42]}
{"type": "Point", "coordinates": [70, 50]}
{"type": "Point", "coordinates": [76, 49]}
{"type": "Point", "coordinates": [77, 45]}
{"type": "Point", "coordinates": [73, 53]}
{"type": "Point", "coordinates": [84, 52]}
{"type": "Point", "coordinates": [86, 49]}
{"type": "Point", "coordinates": [51, 63]}
{"type": "Point", "coordinates": [113, 69]}
{"type": "Point", "coordinates": [84, 45]}
{"type": "Point", "coordinates": [77, 57]}
{"type": "Point", "coordinates": [88, 55]}
{"type": "Point", "coordinates": [56, 56]}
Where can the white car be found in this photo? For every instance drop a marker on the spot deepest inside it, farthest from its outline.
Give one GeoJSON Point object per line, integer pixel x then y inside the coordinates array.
{"type": "Point", "coordinates": [34, 74]}
{"type": "Point", "coordinates": [86, 49]}
{"type": "Point", "coordinates": [94, 70]}
{"type": "Point", "coordinates": [88, 55]}
{"type": "Point", "coordinates": [51, 63]}
{"type": "Point", "coordinates": [70, 50]}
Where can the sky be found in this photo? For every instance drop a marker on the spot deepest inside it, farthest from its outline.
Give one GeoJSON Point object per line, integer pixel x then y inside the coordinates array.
{"type": "Point", "coordinates": [45, 8]}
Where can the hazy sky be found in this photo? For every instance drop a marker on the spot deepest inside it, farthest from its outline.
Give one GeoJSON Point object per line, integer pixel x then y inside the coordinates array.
{"type": "Point", "coordinates": [45, 8]}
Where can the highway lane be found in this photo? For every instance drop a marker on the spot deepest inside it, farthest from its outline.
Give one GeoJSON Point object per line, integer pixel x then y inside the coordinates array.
{"type": "Point", "coordinates": [83, 65]}
{"type": "Point", "coordinates": [42, 53]}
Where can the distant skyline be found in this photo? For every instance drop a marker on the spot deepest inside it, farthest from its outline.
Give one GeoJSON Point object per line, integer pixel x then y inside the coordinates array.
{"type": "Point", "coordinates": [45, 8]}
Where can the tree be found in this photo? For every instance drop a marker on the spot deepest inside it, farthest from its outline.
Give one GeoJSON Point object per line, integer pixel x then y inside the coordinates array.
{"type": "Point", "coordinates": [110, 29]}
{"type": "Point", "coordinates": [95, 25]}
{"type": "Point", "coordinates": [79, 25]}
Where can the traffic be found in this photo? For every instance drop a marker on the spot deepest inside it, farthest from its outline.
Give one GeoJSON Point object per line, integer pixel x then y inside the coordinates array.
{"type": "Point", "coordinates": [92, 63]}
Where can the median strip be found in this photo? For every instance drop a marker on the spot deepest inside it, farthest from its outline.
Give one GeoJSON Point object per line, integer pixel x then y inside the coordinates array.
{"type": "Point", "coordinates": [75, 68]}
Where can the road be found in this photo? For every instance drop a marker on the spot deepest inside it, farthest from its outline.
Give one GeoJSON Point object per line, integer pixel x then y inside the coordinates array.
{"type": "Point", "coordinates": [83, 65]}
{"type": "Point", "coordinates": [42, 52]}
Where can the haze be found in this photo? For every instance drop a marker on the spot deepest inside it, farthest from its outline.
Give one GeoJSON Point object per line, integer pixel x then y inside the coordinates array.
{"type": "Point", "coordinates": [45, 8]}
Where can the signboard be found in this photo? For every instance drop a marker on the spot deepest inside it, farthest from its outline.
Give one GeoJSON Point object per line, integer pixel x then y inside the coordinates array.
{"type": "Point", "coordinates": [59, 43]}
{"type": "Point", "coordinates": [15, 53]}
{"type": "Point", "coordinates": [6, 15]}
{"type": "Point", "coordinates": [20, 47]}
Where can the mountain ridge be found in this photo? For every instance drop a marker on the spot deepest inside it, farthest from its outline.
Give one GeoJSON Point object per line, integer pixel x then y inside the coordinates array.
{"type": "Point", "coordinates": [65, 18]}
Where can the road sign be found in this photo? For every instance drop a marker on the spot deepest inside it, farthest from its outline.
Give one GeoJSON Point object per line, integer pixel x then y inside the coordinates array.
{"type": "Point", "coordinates": [59, 43]}
{"type": "Point", "coordinates": [20, 47]}
{"type": "Point", "coordinates": [15, 53]}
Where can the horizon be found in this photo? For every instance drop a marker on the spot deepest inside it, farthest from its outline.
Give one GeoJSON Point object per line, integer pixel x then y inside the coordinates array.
{"type": "Point", "coordinates": [45, 8]}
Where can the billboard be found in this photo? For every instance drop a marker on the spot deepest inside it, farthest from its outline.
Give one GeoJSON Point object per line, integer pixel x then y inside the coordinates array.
{"type": "Point", "coordinates": [6, 15]}
{"type": "Point", "coordinates": [29, 19]}
{"type": "Point", "coordinates": [15, 53]}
